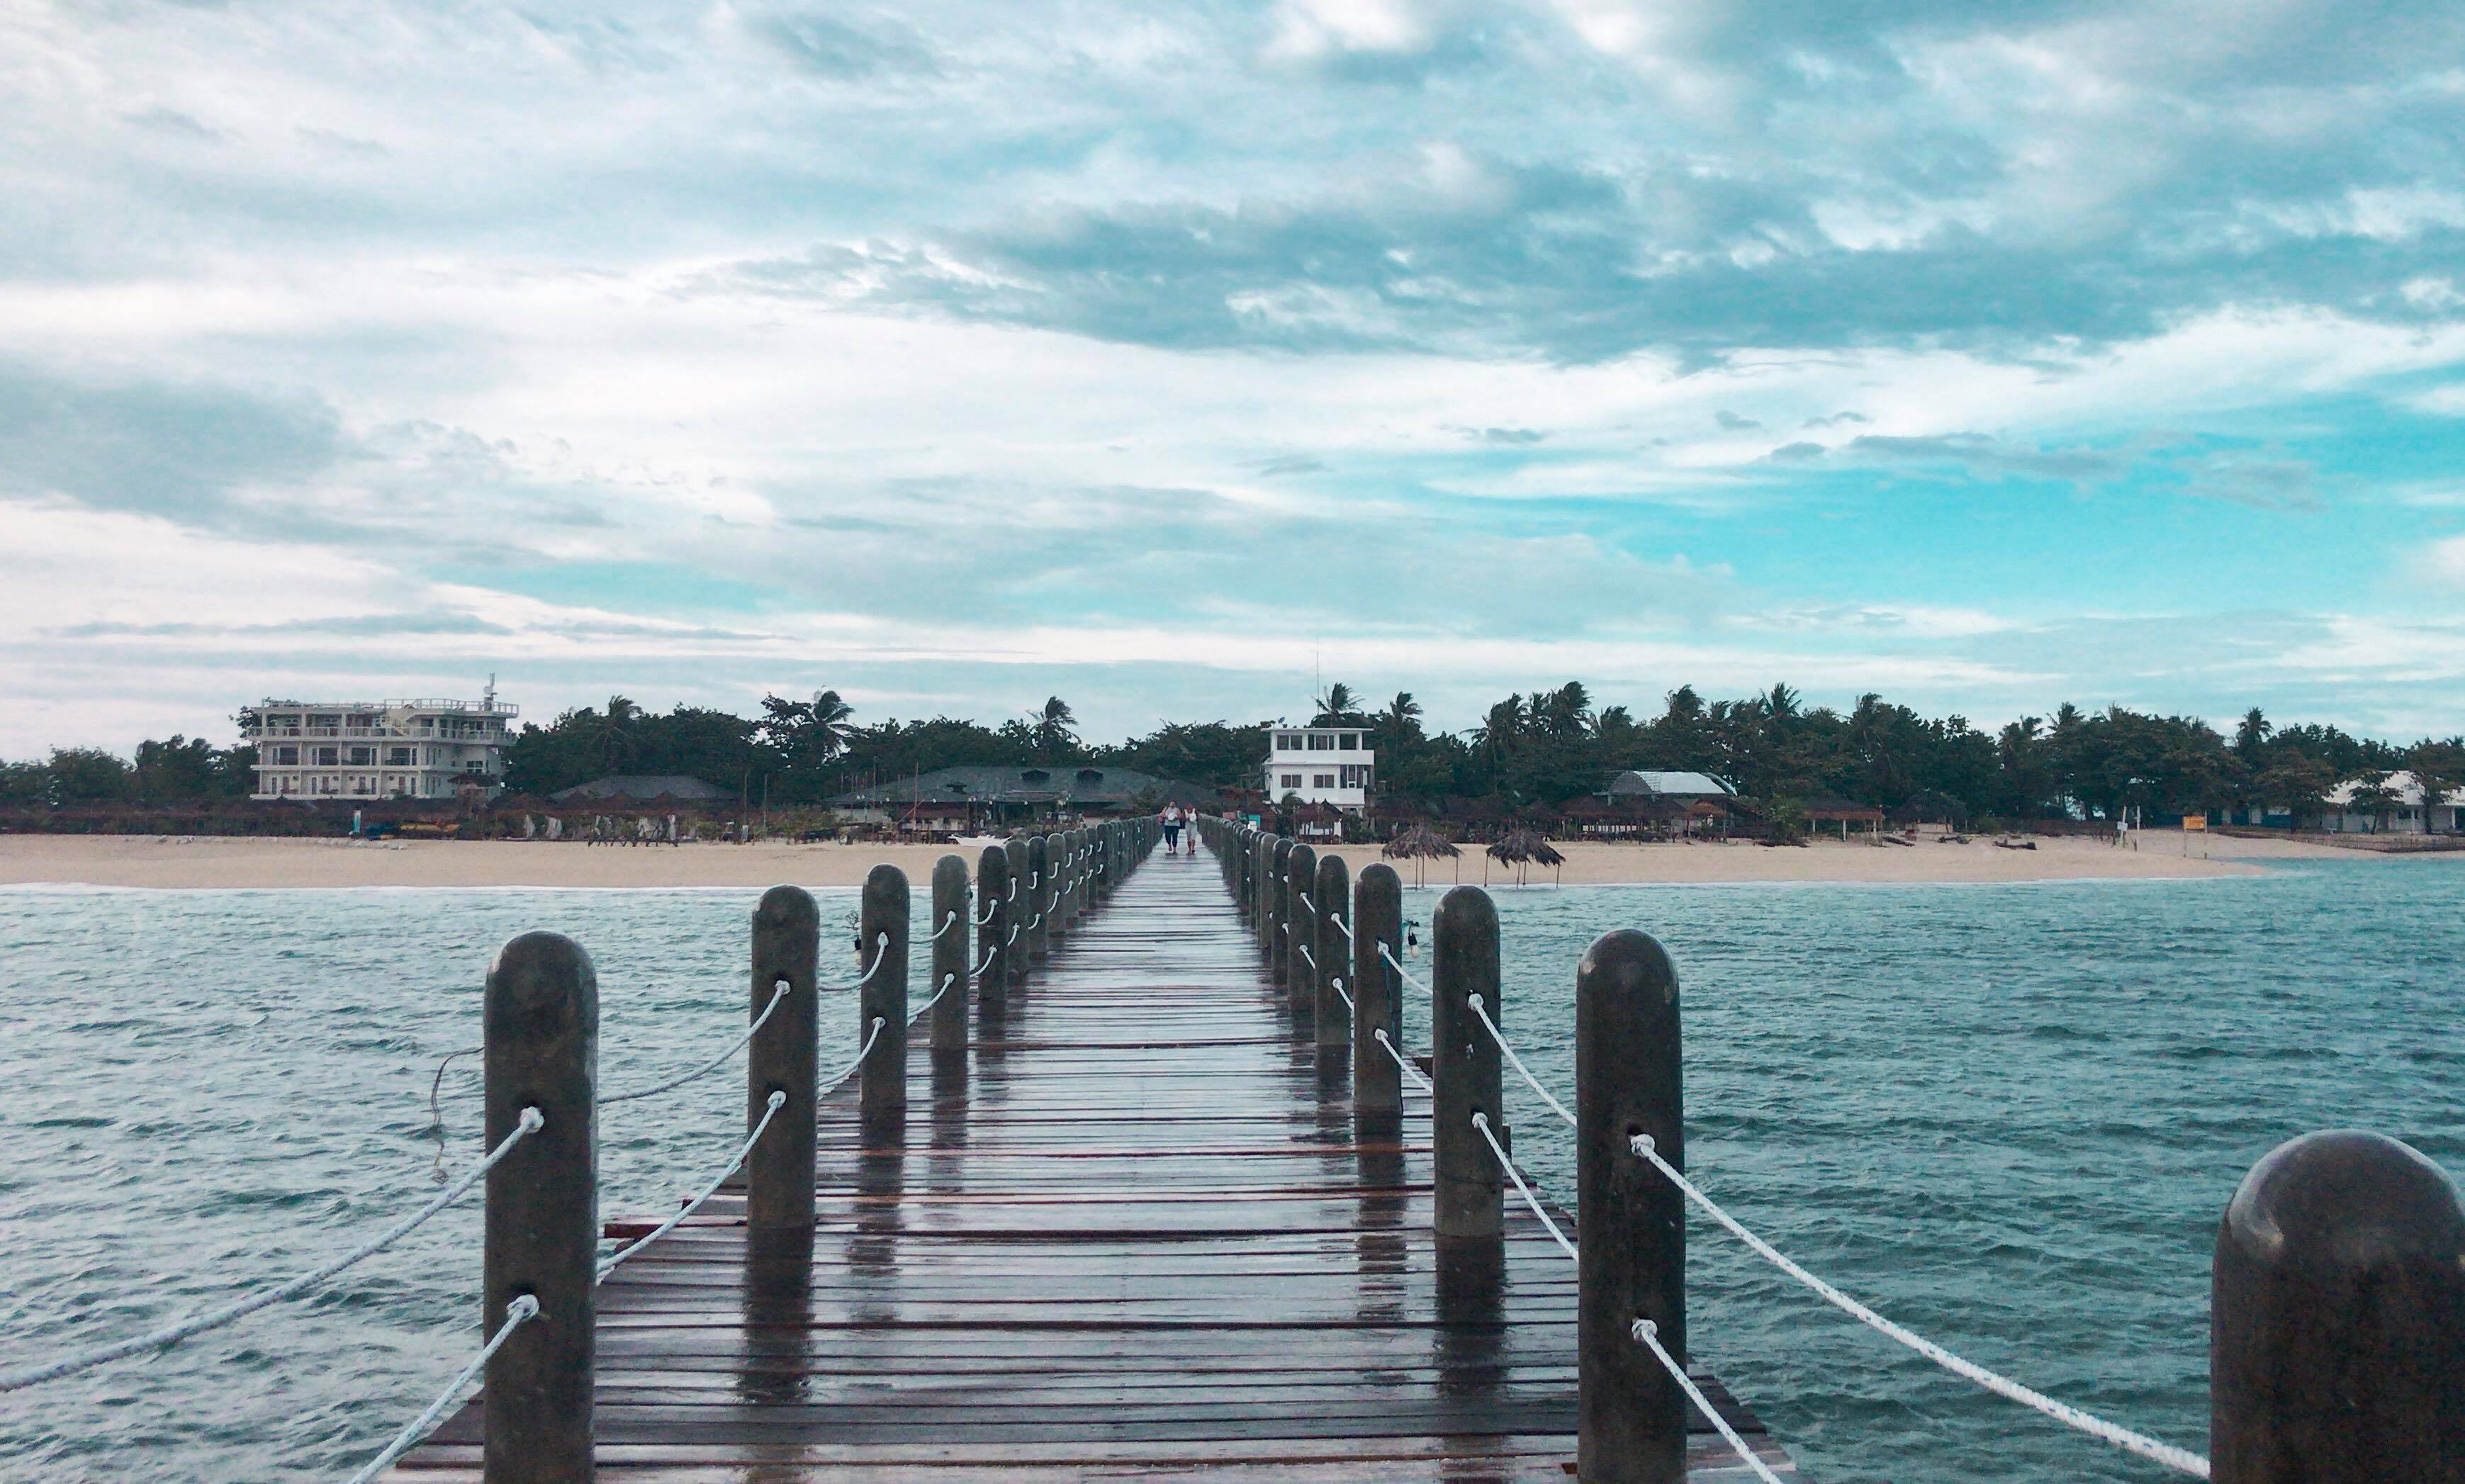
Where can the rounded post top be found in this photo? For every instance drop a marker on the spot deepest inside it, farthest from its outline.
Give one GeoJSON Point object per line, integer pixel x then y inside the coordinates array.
{"type": "Point", "coordinates": [950, 867]}
{"type": "Point", "coordinates": [540, 967]}
{"type": "Point", "coordinates": [1332, 872]}
{"type": "Point", "coordinates": [1628, 962]}
{"type": "Point", "coordinates": [2345, 1198]}
{"type": "Point", "coordinates": [1466, 907]}
{"type": "Point", "coordinates": [789, 904]}
{"type": "Point", "coordinates": [1381, 874]}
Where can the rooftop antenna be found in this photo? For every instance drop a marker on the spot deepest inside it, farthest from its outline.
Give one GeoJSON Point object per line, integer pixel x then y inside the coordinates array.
{"type": "Point", "coordinates": [488, 697]}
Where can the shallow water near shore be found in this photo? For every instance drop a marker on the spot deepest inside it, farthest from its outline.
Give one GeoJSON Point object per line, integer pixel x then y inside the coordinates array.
{"type": "Point", "coordinates": [2006, 1116]}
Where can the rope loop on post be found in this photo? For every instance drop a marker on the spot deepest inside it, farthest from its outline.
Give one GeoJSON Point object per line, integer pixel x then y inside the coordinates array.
{"type": "Point", "coordinates": [1648, 1335]}
{"type": "Point", "coordinates": [1402, 1062]}
{"type": "Point", "coordinates": [1555, 1106]}
{"type": "Point", "coordinates": [519, 1312]}
{"type": "Point", "coordinates": [1480, 1122]}
{"type": "Point", "coordinates": [716, 1062]}
{"type": "Point", "coordinates": [626, 1253]}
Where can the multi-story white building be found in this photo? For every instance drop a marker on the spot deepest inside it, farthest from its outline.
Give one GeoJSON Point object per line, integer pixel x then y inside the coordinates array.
{"type": "Point", "coordinates": [377, 749]}
{"type": "Point", "coordinates": [1321, 764]}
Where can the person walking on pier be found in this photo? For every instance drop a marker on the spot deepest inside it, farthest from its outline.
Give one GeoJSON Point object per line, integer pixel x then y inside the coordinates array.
{"type": "Point", "coordinates": [1171, 821]}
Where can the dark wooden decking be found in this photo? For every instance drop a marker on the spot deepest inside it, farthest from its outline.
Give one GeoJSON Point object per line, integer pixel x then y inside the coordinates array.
{"type": "Point", "coordinates": [1134, 1234]}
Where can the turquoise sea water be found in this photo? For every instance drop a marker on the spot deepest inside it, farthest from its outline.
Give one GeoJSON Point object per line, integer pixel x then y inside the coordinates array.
{"type": "Point", "coordinates": [2006, 1116]}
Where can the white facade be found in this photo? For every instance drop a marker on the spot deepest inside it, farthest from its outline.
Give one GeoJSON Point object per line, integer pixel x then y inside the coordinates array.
{"type": "Point", "coordinates": [376, 749]}
{"type": "Point", "coordinates": [1321, 764]}
{"type": "Point", "coordinates": [2407, 817]}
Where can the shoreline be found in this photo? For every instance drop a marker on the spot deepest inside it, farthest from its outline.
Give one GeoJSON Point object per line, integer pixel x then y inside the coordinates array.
{"type": "Point", "coordinates": [207, 863]}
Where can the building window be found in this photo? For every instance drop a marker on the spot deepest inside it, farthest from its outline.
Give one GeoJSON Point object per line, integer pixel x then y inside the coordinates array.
{"type": "Point", "coordinates": [363, 757]}
{"type": "Point", "coordinates": [286, 757]}
{"type": "Point", "coordinates": [1348, 743]}
{"type": "Point", "coordinates": [1356, 775]}
{"type": "Point", "coordinates": [1322, 741]}
{"type": "Point", "coordinates": [1321, 779]}
{"type": "Point", "coordinates": [1287, 742]}
{"type": "Point", "coordinates": [329, 757]}
{"type": "Point", "coordinates": [1292, 780]}
{"type": "Point", "coordinates": [398, 756]}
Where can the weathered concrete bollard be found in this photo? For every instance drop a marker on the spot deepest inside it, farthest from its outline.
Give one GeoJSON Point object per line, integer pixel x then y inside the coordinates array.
{"type": "Point", "coordinates": [951, 914]}
{"type": "Point", "coordinates": [782, 1058]}
{"type": "Point", "coordinates": [1631, 1221]}
{"type": "Point", "coordinates": [992, 933]}
{"type": "Point", "coordinates": [2336, 1319]}
{"type": "Point", "coordinates": [1333, 894]}
{"type": "Point", "coordinates": [1377, 992]}
{"type": "Point", "coordinates": [1464, 1067]}
{"type": "Point", "coordinates": [1038, 899]}
{"type": "Point", "coordinates": [882, 1080]}
{"type": "Point", "coordinates": [541, 1019]}
{"type": "Point", "coordinates": [1272, 944]}
{"type": "Point", "coordinates": [1021, 905]}
{"type": "Point", "coordinates": [1301, 931]}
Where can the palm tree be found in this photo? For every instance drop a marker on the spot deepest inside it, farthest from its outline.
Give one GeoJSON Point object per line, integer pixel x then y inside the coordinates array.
{"type": "Point", "coordinates": [1401, 716]}
{"type": "Point", "coordinates": [1054, 736]}
{"type": "Point", "coordinates": [1338, 707]}
{"type": "Point", "coordinates": [616, 725]}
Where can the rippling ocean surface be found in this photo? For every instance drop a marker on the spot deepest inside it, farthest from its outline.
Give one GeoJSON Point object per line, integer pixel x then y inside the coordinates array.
{"type": "Point", "coordinates": [2006, 1116]}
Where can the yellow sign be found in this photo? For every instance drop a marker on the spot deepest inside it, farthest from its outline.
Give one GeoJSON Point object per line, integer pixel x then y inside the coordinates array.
{"type": "Point", "coordinates": [2195, 820]}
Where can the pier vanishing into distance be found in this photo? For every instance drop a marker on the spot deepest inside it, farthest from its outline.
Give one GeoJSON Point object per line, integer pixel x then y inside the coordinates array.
{"type": "Point", "coordinates": [1148, 1183]}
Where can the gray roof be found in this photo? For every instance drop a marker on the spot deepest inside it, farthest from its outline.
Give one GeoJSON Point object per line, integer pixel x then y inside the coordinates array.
{"type": "Point", "coordinates": [1668, 784]}
{"type": "Point", "coordinates": [643, 788]}
{"type": "Point", "coordinates": [1020, 786]}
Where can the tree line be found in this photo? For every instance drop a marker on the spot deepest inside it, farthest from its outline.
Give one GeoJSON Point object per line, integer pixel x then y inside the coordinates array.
{"type": "Point", "coordinates": [1540, 748]}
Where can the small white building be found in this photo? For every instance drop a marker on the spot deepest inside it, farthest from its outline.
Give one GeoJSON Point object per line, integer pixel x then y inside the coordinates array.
{"type": "Point", "coordinates": [1334, 766]}
{"type": "Point", "coordinates": [377, 749]}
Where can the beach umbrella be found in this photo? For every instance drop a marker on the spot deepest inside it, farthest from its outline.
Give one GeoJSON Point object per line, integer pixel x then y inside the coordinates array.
{"type": "Point", "coordinates": [1419, 845]}
{"type": "Point", "coordinates": [1522, 848]}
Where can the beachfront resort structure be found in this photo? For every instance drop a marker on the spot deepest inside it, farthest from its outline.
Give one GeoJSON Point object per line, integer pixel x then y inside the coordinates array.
{"type": "Point", "coordinates": [1333, 765]}
{"type": "Point", "coordinates": [378, 750]}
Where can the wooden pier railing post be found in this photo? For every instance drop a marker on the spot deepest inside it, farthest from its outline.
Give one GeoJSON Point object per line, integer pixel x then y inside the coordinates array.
{"type": "Point", "coordinates": [1301, 929]}
{"type": "Point", "coordinates": [1271, 939]}
{"type": "Point", "coordinates": [950, 956]}
{"type": "Point", "coordinates": [1631, 1221]}
{"type": "Point", "coordinates": [1038, 892]}
{"type": "Point", "coordinates": [1019, 908]}
{"type": "Point", "coordinates": [787, 950]}
{"type": "Point", "coordinates": [1377, 993]}
{"type": "Point", "coordinates": [1061, 848]}
{"type": "Point", "coordinates": [882, 1082]}
{"type": "Point", "coordinates": [2337, 1318]}
{"type": "Point", "coordinates": [541, 1019]}
{"type": "Point", "coordinates": [1333, 894]}
{"type": "Point", "coordinates": [992, 893]}
{"type": "Point", "coordinates": [1464, 1067]}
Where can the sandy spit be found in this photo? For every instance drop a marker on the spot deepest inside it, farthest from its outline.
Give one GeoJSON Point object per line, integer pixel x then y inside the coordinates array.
{"type": "Point", "coordinates": [175, 862]}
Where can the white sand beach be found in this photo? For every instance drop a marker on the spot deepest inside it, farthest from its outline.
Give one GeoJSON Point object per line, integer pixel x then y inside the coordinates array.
{"type": "Point", "coordinates": [208, 862]}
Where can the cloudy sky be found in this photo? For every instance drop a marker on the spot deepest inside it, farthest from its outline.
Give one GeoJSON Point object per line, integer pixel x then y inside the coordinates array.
{"type": "Point", "coordinates": [1986, 354]}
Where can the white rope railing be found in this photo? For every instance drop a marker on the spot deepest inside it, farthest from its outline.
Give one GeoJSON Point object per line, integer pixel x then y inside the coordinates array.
{"type": "Point", "coordinates": [1555, 1106]}
{"type": "Point", "coordinates": [2180, 1459]}
{"type": "Point", "coordinates": [1304, 950]}
{"type": "Point", "coordinates": [1402, 1062]}
{"type": "Point", "coordinates": [1647, 1334]}
{"type": "Point", "coordinates": [527, 1124]}
{"type": "Point", "coordinates": [948, 924]}
{"type": "Point", "coordinates": [947, 979]}
{"type": "Point", "coordinates": [1307, 905]}
{"type": "Point", "coordinates": [624, 1255]}
{"type": "Point", "coordinates": [881, 941]}
{"type": "Point", "coordinates": [985, 963]}
{"type": "Point", "coordinates": [520, 1311]}
{"type": "Point", "coordinates": [992, 910]}
{"type": "Point", "coordinates": [1337, 980]}
{"type": "Point", "coordinates": [1342, 926]}
{"type": "Point", "coordinates": [1480, 1122]}
{"type": "Point", "coordinates": [1402, 972]}
{"type": "Point", "coordinates": [715, 1063]}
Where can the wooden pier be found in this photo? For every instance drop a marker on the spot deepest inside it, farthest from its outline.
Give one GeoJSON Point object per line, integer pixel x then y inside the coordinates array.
{"type": "Point", "coordinates": [1133, 1230]}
